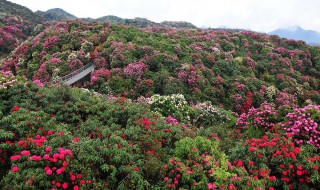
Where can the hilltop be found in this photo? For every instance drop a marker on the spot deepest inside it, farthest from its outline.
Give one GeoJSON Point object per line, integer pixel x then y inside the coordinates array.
{"type": "Point", "coordinates": [56, 14]}
{"type": "Point", "coordinates": [143, 22]}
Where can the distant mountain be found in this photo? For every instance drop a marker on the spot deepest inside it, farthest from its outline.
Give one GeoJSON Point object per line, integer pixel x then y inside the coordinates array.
{"type": "Point", "coordinates": [298, 33]}
{"type": "Point", "coordinates": [56, 14]}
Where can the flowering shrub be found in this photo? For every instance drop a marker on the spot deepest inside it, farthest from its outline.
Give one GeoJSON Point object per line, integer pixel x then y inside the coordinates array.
{"type": "Point", "coordinates": [7, 79]}
{"type": "Point", "coordinates": [198, 164]}
{"type": "Point", "coordinates": [75, 64]}
{"type": "Point", "coordinates": [134, 69]}
{"type": "Point", "coordinates": [174, 105]}
{"type": "Point", "coordinates": [303, 125]}
{"type": "Point", "coordinates": [99, 74]}
{"type": "Point", "coordinates": [52, 145]}
{"type": "Point", "coordinates": [250, 63]}
{"type": "Point", "coordinates": [191, 78]}
{"type": "Point", "coordinates": [206, 114]}
{"type": "Point", "coordinates": [263, 118]}
{"type": "Point", "coordinates": [14, 29]}
{"type": "Point", "coordinates": [278, 162]}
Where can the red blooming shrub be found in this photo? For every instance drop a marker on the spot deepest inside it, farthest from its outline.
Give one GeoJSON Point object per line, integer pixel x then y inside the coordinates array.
{"type": "Point", "coordinates": [278, 162]}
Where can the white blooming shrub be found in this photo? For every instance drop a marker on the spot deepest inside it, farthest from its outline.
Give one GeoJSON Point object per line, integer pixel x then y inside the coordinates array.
{"type": "Point", "coordinates": [173, 105]}
{"type": "Point", "coordinates": [271, 92]}
{"type": "Point", "coordinates": [206, 114]}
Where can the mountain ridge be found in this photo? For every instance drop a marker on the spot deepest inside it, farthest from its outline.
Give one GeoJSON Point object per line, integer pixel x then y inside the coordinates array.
{"type": "Point", "coordinates": [60, 14]}
{"type": "Point", "coordinates": [298, 33]}
{"type": "Point", "coordinates": [56, 14]}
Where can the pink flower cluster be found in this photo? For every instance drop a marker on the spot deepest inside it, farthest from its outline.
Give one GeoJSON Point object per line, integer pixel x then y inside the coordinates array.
{"type": "Point", "coordinates": [284, 98]}
{"type": "Point", "coordinates": [189, 75]}
{"type": "Point", "coordinates": [105, 73]}
{"type": "Point", "coordinates": [250, 62]}
{"type": "Point", "coordinates": [75, 64]}
{"type": "Point", "coordinates": [51, 41]}
{"type": "Point", "coordinates": [259, 117]}
{"type": "Point", "coordinates": [281, 50]}
{"type": "Point", "coordinates": [135, 69]}
{"type": "Point", "coordinates": [302, 124]}
{"type": "Point", "coordinates": [172, 120]}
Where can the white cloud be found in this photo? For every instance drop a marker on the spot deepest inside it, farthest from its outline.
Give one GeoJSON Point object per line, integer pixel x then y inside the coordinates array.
{"type": "Point", "coordinates": [257, 15]}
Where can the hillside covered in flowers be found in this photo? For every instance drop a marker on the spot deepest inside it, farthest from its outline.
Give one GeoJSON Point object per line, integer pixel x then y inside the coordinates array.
{"type": "Point", "coordinates": [165, 108]}
{"type": "Point", "coordinates": [233, 69]}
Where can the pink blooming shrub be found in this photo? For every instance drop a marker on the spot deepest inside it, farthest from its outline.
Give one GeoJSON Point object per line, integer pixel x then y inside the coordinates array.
{"type": "Point", "coordinates": [281, 50]}
{"type": "Point", "coordinates": [42, 75]}
{"type": "Point", "coordinates": [303, 125]}
{"type": "Point", "coordinates": [250, 62]}
{"type": "Point", "coordinates": [75, 64]}
{"type": "Point", "coordinates": [100, 62]}
{"type": "Point", "coordinates": [274, 56]}
{"type": "Point", "coordinates": [51, 41]}
{"type": "Point", "coordinates": [55, 60]}
{"type": "Point", "coordinates": [188, 74]}
{"type": "Point", "coordinates": [38, 83]}
{"type": "Point", "coordinates": [135, 69]}
{"type": "Point", "coordinates": [172, 120]}
{"type": "Point", "coordinates": [10, 65]}
{"type": "Point", "coordinates": [262, 117]}
{"type": "Point", "coordinates": [285, 99]}
{"type": "Point", "coordinates": [101, 73]}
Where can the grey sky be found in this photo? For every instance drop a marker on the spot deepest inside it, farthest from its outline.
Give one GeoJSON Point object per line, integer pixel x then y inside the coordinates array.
{"type": "Point", "coordinates": [258, 15]}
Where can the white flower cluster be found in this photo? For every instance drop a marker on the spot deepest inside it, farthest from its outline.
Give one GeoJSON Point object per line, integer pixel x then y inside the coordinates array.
{"type": "Point", "coordinates": [177, 100]}
{"type": "Point", "coordinates": [271, 92]}
{"type": "Point", "coordinates": [73, 55]}
{"type": "Point", "coordinates": [142, 99]}
{"type": "Point", "coordinates": [210, 112]}
{"type": "Point", "coordinates": [170, 105]}
{"type": "Point", "coordinates": [87, 46]}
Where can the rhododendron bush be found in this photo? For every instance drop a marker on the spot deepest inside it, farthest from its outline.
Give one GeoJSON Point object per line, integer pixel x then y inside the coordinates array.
{"type": "Point", "coordinates": [303, 125]}
{"type": "Point", "coordinates": [277, 161]}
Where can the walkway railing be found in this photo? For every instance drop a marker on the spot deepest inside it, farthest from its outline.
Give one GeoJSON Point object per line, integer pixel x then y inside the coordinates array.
{"type": "Point", "coordinates": [72, 74]}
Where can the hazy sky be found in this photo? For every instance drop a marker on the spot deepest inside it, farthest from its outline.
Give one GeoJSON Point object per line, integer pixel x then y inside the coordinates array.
{"type": "Point", "coordinates": [258, 15]}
